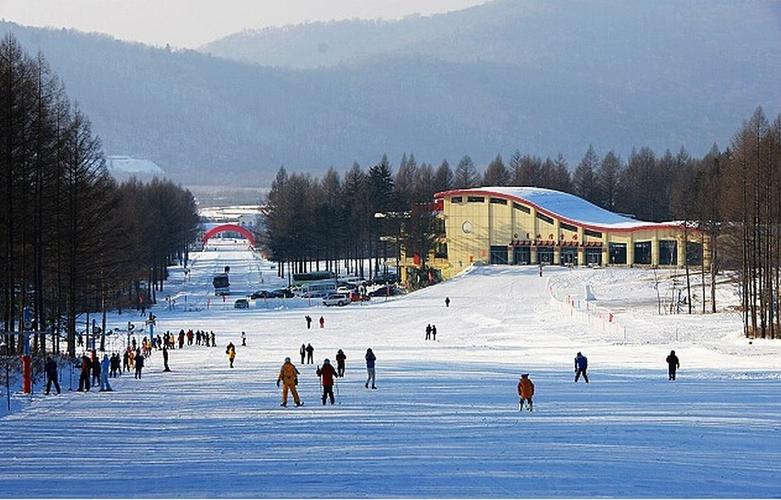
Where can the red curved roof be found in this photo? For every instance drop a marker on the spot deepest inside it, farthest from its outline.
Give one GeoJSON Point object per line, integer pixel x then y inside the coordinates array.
{"type": "Point", "coordinates": [229, 228]}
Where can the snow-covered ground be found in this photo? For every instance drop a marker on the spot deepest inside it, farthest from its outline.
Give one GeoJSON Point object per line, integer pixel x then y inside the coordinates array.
{"type": "Point", "coordinates": [444, 419]}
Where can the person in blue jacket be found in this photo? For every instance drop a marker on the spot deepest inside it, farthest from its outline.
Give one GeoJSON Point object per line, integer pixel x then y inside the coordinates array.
{"type": "Point", "coordinates": [104, 367]}
{"type": "Point", "coordinates": [370, 359]}
{"type": "Point", "coordinates": [581, 365]}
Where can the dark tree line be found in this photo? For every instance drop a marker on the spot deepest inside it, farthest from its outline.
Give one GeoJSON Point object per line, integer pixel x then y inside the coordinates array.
{"type": "Point", "coordinates": [73, 240]}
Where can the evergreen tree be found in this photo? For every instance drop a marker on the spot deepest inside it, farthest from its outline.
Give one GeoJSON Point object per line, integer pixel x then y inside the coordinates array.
{"type": "Point", "coordinates": [466, 174]}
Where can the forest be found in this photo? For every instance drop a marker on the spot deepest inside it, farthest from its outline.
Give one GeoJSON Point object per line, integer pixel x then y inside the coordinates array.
{"type": "Point", "coordinates": [732, 196]}
{"type": "Point", "coordinates": [73, 240]}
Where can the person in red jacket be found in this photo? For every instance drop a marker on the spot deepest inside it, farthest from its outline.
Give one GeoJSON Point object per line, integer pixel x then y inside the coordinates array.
{"type": "Point", "coordinates": [525, 391]}
{"type": "Point", "coordinates": [327, 375]}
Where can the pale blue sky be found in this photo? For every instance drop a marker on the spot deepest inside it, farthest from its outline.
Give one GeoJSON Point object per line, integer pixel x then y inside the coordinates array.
{"type": "Point", "coordinates": [191, 23]}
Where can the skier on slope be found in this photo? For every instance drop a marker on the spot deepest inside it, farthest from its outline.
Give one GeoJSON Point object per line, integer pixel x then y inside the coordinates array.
{"type": "Point", "coordinates": [322, 322]}
{"type": "Point", "coordinates": [428, 331]}
{"type": "Point", "coordinates": [165, 359]}
{"type": "Point", "coordinates": [673, 363]}
{"type": "Point", "coordinates": [434, 332]}
{"type": "Point", "coordinates": [288, 375]}
{"type": "Point", "coordinates": [139, 364]}
{"type": "Point", "coordinates": [525, 391]}
{"type": "Point", "coordinates": [86, 368]}
{"type": "Point", "coordinates": [341, 357]}
{"type": "Point", "coordinates": [447, 301]}
{"type": "Point", "coordinates": [310, 354]}
{"type": "Point", "coordinates": [581, 366]}
{"type": "Point", "coordinates": [243, 339]}
{"type": "Point", "coordinates": [52, 375]}
{"type": "Point", "coordinates": [370, 359]}
{"type": "Point", "coordinates": [308, 319]}
{"type": "Point", "coordinates": [126, 361]}
{"type": "Point", "coordinates": [327, 374]}
{"type": "Point", "coordinates": [104, 367]}
{"type": "Point", "coordinates": [95, 368]}
{"type": "Point", "coordinates": [230, 350]}
{"type": "Point", "coordinates": [302, 352]}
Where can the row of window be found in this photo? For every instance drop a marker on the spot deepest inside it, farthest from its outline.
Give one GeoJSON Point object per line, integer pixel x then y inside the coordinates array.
{"type": "Point", "coordinates": [668, 255]}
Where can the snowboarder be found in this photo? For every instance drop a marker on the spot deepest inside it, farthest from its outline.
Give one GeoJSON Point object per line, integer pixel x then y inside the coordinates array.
{"type": "Point", "coordinates": [310, 354]}
{"type": "Point", "coordinates": [86, 368]}
{"type": "Point", "coordinates": [302, 352]}
{"type": "Point", "coordinates": [673, 363]}
{"type": "Point", "coordinates": [104, 366]}
{"type": "Point", "coordinates": [243, 339]}
{"type": "Point", "coordinates": [52, 375]}
{"type": "Point", "coordinates": [308, 321]}
{"type": "Point", "coordinates": [434, 332]}
{"type": "Point", "coordinates": [370, 359]}
{"type": "Point", "coordinates": [327, 374]}
{"type": "Point", "coordinates": [428, 331]}
{"type": "Point", "coordinates": [165, 359]}
{"type": "Point", "coordinates": [341, 357]}
{"type": "Point", "coordinates": [322, 322]}
{"type": "Point", "coordinates": [230, 350]}
{"type": "Point", "coordinates": [447, 301]}
{"type": "Point", "coordinates": [581, 365]}
{"type": "Point", "coordinates": [525, 391]}
{"type": "Point", "coordinates": [288, 375]}
{"type": "Point", "coordinates": [139, 364]}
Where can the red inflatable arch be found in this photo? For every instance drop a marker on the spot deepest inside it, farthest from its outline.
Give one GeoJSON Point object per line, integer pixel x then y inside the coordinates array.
{"type": "Point", "coordinates": [229, 228]}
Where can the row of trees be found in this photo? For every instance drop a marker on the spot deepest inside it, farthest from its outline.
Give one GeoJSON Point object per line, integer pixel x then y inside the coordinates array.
{"type": "Point", "coordinates": [73, 240]}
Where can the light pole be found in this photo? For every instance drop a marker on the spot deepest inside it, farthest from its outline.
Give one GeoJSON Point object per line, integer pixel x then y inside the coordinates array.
{"type": "Point", "coordinates": [397, 216]}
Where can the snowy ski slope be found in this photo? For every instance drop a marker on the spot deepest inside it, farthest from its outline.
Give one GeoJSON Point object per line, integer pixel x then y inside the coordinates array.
{"type": "Point", "coordinates": [444, 420]}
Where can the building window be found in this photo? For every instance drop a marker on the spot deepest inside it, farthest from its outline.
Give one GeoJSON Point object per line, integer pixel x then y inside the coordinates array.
{"type": "Point", "coordinates": [440, 251]}
{"type": "Point", "coordinates": [693, 253]}
{"type": "Point", "coordinates": [545, 255]}
{"type": "Point", "coordinates": [593, 234]}
{"type": "Point", "coordinates": [593, 256]}
{"type": "Point", "coordinates": [643, 252]}
{"type": "Point", "coordinates": [668, 252]}
{"type": "Point", "coordinates": [568, 227]}
{"type": "Point", "coordinates": [617, 253]}
{"type": "Point", "coordinates": [475, 199]}
{"type": "Point", "coordinates": [522, 208]}
{"type": "Point", "coordinates": [499, 201]}
{"type": "Point", "coordinates": [499, 254]}
{"type": "Point", "coordinates": [545, 218]}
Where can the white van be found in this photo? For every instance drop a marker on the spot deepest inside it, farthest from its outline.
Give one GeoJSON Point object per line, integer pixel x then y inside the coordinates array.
{"type": "Point", "coordinates": [310, 290]}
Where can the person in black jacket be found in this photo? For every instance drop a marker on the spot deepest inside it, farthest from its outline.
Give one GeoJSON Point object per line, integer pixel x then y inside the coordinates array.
{"type": "Point", "coordinates": [428, 331]}
{"type": "Point", "coordinates": [139, 364]}
{"type": "Point", "coordinates": [52, 375]}
{"type": "Point", "coordinates": [95, 369]}
{"type": "Point", "coordinates": [310, 354]}
{"type": "Point", "coordinates": [341, 357]}
{"type": "Point", "coordinates": [86, 369]}
{"type": "Point", "coordinates": [581, 367]}
{"type": "Point", "coordinates": [165, 359]}
{"type": "Point", "coordinates": [673, 363]}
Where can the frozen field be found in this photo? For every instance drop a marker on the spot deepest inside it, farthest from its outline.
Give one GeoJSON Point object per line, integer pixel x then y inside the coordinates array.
{"type": "Point", "coordinates": [444, 419]}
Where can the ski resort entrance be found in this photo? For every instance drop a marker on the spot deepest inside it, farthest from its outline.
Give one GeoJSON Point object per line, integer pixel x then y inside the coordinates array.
{"type": "Point", "coordinates": [229, 228]}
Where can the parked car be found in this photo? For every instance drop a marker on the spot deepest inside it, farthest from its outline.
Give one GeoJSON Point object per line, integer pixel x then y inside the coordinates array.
{"type": "Point", "coordinates": [359, 297]}
{"type": "Point", "coordinates": [385, 279]}
{"type": "Point", "coordinates": [336, 299]}
{"type": "Point", "coordinates": [241, 304]}
{"type": "Point", "coordinates": [284, 293]}
{"type": "Point", "coordinates": [386, 291]}
{"type": "Point", "coordinates": [263, 294]}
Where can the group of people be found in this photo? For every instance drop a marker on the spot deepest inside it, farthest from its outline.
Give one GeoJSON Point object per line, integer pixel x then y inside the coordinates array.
{"type": "Point", "coordinates": [288, 376]}
{"type": "Point", "coordinates": [308, 320]}
{"type": "Point", "coordinates": [431, 332]}
{"type": "Point", "coordinates": [197, 337]}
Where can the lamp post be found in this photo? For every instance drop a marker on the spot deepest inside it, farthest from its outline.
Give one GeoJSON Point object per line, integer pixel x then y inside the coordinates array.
{"type": "Point", "coordinates": [397, 216]}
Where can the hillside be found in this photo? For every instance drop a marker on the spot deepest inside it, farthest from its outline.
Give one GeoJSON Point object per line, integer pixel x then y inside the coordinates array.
{"type": "Point", "coordinates": [539, 76]}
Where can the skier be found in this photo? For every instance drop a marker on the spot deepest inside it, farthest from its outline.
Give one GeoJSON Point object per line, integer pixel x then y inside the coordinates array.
{"type": "Point", "coordinates": [302, 352]}
{"type": "Point", "coordinates": [288, 375]}
{"type": "Point", "coordinates": [370, 359]}
{"type": "Point", "coordinates": [322, 322]}
{"type": "Point", "coordinates": [581, 365]}
{"type": "Point", "coordinates": [447, 301]}
{"type": "Point", "coordinates": [230, 350]}
{"type": "Point", "coordinates": [673, 363]}
{"type": "Point", "coordinates": [181, 339]}
{"type": "Point", "coordinates": [165, 359]}
{"type": "Point", "coordinates": [95, 369]}
{"type": "Point", "coordinates": [428, 331]}
{"type": "Point", "coordinates": [104, 366]}
{"type": "Point", "coordinates": [139, 364]}
{"type": "Point", "coordinates": [52, 377]}
{"type": "Point", "coordinates": [310, 354]}
{"type": "Point", "coordinates": [243, 339]}
{"type": "Point", "coordinates": [327, 374]}
{"type": "Point", "coordinates": [341, 357]}
{"type": "Point", "coordinates": [214, 344]}
{"type": "Point", "coordinates": [126, 361]}
{"type": "Point", "coordinates": [525, 391]}
{"type": "Point", "coordinates": [308, 321]}
{"type": "Point", "coordinates": [434, 332]}
{"type": "Point", "coordinates": [86, 368]}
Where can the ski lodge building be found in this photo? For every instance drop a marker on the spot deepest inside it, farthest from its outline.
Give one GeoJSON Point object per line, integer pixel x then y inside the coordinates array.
{"type": "Point", "coordinates": [526, 225]}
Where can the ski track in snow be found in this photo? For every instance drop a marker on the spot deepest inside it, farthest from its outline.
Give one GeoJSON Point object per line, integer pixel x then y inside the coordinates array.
{"type": "Point", "coordinates": [443, 423]}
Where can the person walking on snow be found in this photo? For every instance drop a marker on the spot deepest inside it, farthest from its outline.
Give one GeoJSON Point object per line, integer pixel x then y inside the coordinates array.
{"type": "Point", "coordinates": [52, 375]}
{"type": "Point", "coordinates": [340, 360]}
{"type": "Point", "coordinates": [370, 359]}
{"type": "Point", "coordinates": [434, 332]}
{"type": "Point", "coordinates": [428, 331]}
{"type": "Point", "coordinates": [165, 359]}
{"type": "Point", "coordinates": [673, 363]}
{"type": "Point", "coordinates": [104, 367]}
{"type": "Point", "coordinates": [95, 369]}
{"type": "Point", "coordinates": [581, 365]}
{"type": "Point", "coordinates": [211, 333]}
{"type": "Point", "coordinates": [322, 322]}
{"type": "Point", "coordinates": [308, 321]}
{"type": "Point", "coordinates": [327, 374]}
{"type": "Point", "coordinates": [126, 361]}
{"type": "Point", "coordinates": [310, 354]}
{"type": "Point", "coordinates": [243, 339]}
{"type": "Point", "coordinates": [525, 391]}
{"type": "Point", "coordinates": [447, 301]}
{"type": "Point", "coordinates": [139, 364]}
{"type": "Point", "coordinates": [302, 352]}
{"type": "Point", "coordinates": [230, 350]}
{"type": "Point", "coordinates": [86, 369]}
{"type": "Point", "coordinates": [288, 375]}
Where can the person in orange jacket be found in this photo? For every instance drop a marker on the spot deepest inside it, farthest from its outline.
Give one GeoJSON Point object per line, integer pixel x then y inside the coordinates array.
{"type": "Point", "coordinates": [525, 391]}
{"type": "Point", "coordinates": [288, 375]}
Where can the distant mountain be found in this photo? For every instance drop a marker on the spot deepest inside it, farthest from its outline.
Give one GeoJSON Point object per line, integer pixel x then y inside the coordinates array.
{"type": "Point", "coordinates": [544, 77]}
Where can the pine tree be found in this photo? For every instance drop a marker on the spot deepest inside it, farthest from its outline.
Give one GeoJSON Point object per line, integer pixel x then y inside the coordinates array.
{"type": "Point", "coordinates": [466, 174]}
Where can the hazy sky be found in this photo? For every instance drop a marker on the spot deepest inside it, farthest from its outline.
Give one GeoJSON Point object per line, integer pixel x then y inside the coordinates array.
{"type": "Point", "coordinates": [190, 23]}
